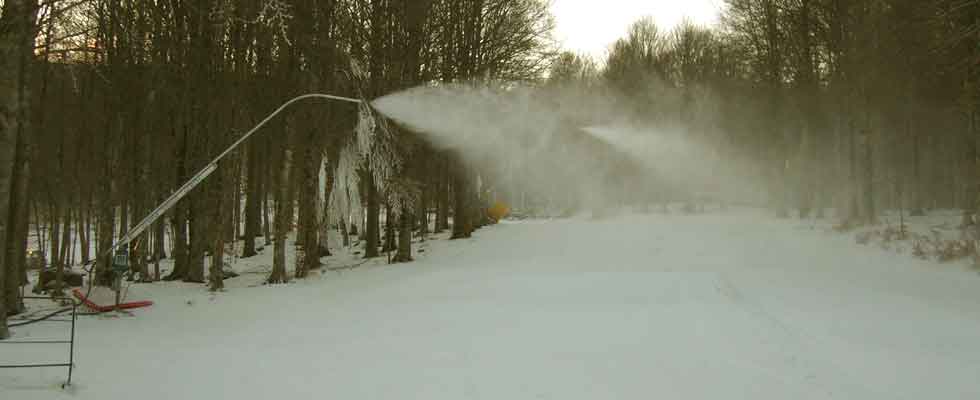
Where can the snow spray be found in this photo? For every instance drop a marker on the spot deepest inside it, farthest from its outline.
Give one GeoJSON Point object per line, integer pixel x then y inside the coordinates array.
{"type": "Point", "coordinates": [564, 148]}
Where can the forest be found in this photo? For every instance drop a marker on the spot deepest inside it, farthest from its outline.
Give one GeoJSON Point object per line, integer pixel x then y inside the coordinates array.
{"type": "Point", "coordinates": [108, 106]}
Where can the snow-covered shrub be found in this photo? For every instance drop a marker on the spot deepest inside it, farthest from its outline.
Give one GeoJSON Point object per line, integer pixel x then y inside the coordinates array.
{"type": "Point", "coordinates": [955, 249]}
{"type": "Point", "coordinates": [920, 246]}
{"type": "Point", "coordinates": [845, 226]}
{"type": "Point", "coordinates": [863, 238]}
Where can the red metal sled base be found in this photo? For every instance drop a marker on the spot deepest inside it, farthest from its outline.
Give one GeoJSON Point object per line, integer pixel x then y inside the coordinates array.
{"type": "Point", "coordinates": [122, 306]}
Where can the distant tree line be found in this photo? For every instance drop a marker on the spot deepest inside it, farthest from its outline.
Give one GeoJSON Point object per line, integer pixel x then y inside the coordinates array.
{"type": "Point", "coordinates": [857, 105]}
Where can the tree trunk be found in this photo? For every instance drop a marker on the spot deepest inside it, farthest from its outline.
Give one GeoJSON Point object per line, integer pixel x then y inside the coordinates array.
{"type": "Point", "coordinates": [40, 230]}
{"type": "Point", "coordinates": [372, 227]}
{"type": "Point", "coordinates": [159, 240]}
{"type": "Point", "coordinates": [869, 189]}
{"type": "Point", "coordinates": [62, 254]}
{"type": "Point", "coordinates": [344, 233]}
{"type": "Point", "coordinates": [308, 221]}
{"type": "Point", "coordinates": [854, 214]}
{"type": "Point", "coordinates": [389, 242]}
{"type": "Point", "coordinates": [282, 223]}
{"type": "Point", "coordinates": [974, 134]}
{"type": "Point", "coordinates": [404, 253]}
{"type": "Point", "coordinates": [18, 225]}
{"type": "Point", "coordinates": [180, 248]}
{"type": "Point", "coordinates": [16, 40]}
{"type": "Point", "coordinates": [198, 240]}
{"type": "Point", "coordinates": [8, 138]}
{"type": "Point", "coordinates": [54, 252]}
{"type": "Point", "coordinates": [215, 272]}
{"type": "Point", "coordinates": [917, 208]}
{"type": "Point", "coordinates": [266, 224]}
{"type": "Point", "coordinates": [84, 231]}
{"type": "Point", "coordinates": [232, 195]}
{"type": "Point", "coordinates": [106, 230]}
{"type": "Point", "coordinates": [324, 220]}
{"type": "Point", "coordinates": [9, 104]}
{"type": "Point", "coordinates": [156, 269]}
{"type": "Point", "coordinates": [253, 203]}
{"type": "Point", "coordinates": [65, 237]}
{"type": "Point", "coordinates": [124, 210]}
{"type": "Point", "coordinates": [361, 233]}
{"type": "Point", "coordinates": [443, 195]}
{"type": "Point", "coordinates": [423, 214]}
{"type": "Point", "coordinates": [73, 244]}
{"type": "Point", "coordinates": [478, 215]}
{"type": "Point", "coordinates": [462, 226]}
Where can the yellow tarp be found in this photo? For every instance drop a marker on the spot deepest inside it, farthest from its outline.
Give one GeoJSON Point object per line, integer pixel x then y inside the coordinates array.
{"type": "Point", "coordinates": [498, 211]}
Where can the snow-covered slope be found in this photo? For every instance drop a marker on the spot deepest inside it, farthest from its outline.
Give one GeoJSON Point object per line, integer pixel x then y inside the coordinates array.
{"type": "Point", "coordinates": [725, 306]}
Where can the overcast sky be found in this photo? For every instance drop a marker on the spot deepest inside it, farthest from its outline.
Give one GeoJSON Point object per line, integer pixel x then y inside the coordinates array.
{"type": "Point", "coordinates": [590, 26]}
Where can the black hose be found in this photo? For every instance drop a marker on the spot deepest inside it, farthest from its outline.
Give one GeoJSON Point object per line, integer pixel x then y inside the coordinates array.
{"type": "Point", "coordinates": [41, 318]}
{"type": "Point", "coordinates": [51, 315]}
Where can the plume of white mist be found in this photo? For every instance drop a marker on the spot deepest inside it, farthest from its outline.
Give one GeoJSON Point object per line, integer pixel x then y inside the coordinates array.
{"type": "Point", "coordinates": [688, 166]}
{"type": "Point", "coordinates": [516, 137]}
{"type": "Point", "coordinates": [568, 147]}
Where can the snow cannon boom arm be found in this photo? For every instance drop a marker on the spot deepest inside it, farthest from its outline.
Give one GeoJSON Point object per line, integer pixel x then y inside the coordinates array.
{"type": "Point", "coordinates": [203, 174]}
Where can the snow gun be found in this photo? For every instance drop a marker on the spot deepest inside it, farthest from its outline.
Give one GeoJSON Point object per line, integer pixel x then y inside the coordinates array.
{"type": "Point", "coordinates": [118, 250]}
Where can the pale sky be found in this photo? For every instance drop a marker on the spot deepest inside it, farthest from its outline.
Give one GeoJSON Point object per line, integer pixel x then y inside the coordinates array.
{"type": "Point", "coordinates": [590, 26]}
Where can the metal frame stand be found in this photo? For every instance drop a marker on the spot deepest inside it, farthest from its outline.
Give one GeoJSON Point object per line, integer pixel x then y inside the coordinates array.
{"type": "Point", "coordinates": [49, 318]}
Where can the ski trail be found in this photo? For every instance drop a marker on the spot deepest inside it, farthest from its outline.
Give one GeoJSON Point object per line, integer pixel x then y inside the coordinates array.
{"type": "Point", "coordinates": [732, 305]}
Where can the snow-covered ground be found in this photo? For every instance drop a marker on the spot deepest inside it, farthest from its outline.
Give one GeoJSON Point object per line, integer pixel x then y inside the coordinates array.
{"type": "Point", "coordinates": [728, 305]}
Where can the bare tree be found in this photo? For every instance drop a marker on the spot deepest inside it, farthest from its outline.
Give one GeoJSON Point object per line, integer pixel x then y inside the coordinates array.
{"type": "Point", "coordinates": [17, 32]}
